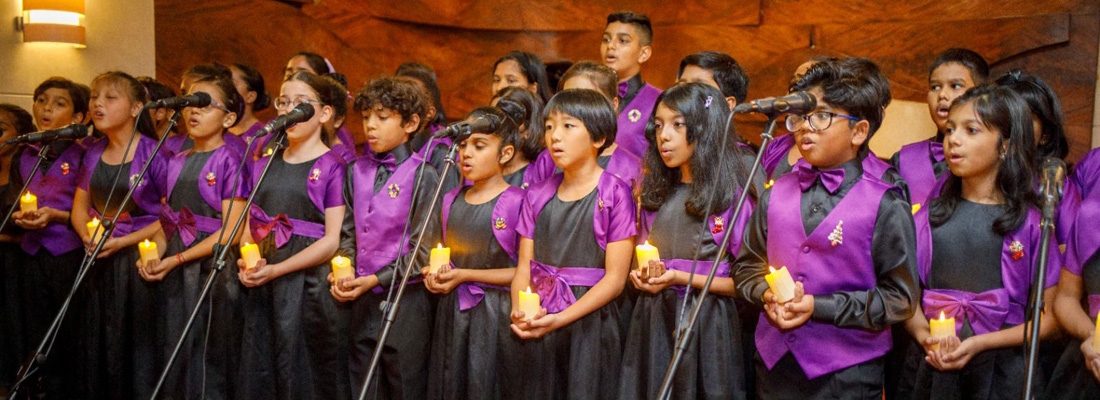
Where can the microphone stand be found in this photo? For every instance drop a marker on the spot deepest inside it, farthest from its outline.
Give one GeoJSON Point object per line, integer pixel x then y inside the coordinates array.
{"type": "Point", "coordinates": [391, 308]}
{"type": "Point", "coordinates": [686, 328]}
{"type": "Point", "coordinates": [1035, 302]}
{"type": "Point", "coordinates": [26, 183]}
{"type": "Point", "coordinates": [105, 229]}
{"type": "Point", "coordinates": [223, 252]}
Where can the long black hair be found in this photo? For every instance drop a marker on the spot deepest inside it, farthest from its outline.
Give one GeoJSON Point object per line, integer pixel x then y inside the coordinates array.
{"type": "Point", "coordinates": [1044, 105]}
{"type": "Point", "coordinates": [1005, 111]}
{"type": "Point", "coordinates": [715, 170]}
{"type": "Point", "coordinates": [525, 109]}
{"type": "Point", "coordinates": [532, 68]}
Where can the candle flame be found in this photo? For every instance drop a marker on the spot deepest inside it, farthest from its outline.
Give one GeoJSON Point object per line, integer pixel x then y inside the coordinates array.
{"type": "Point", "coordinates": [339, 259]}
{"type": "Point", "coordinates": [28, 196]}
{"type": "Point", "coordinates": [439, 246]}
{"type": "Point", "coordinates": [245, 244]}
{"type": "Point", "coordinates": [771, 268]}
{"type": "Point", "coordinates": [647, 243]}
{"type": "Point", "coordinates": [941, 316]}
{"type": "Point", "coordinates": [528, 290]}
{"type": "Point", "coordinates": [145, 243]}
{"type": "Point", "coordinates": [95, 221]}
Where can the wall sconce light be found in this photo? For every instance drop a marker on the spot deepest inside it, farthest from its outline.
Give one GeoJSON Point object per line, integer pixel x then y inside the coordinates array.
{"type": "Point", "coordinates": [56, 21]}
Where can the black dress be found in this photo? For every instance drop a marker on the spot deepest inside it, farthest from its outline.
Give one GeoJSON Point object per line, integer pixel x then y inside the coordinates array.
{"type": "Point", "coordinates": [464, 343]}
{"type": "Point", "coordinates": [579, 361]}
{"type": "Point", "coordinates": [294, 342]}
{"type": "Point", "coordinates": [713, 365]}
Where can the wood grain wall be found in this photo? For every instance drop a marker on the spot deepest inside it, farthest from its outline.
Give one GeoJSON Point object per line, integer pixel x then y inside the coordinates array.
{"type": "Point", "coordinates": [1057, 39]}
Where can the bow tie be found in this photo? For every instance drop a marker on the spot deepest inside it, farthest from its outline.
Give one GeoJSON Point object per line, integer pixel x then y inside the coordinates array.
{"type": "Point", "coordinates": [389, 161]}
{"type": "Point", "coordinates": [937, 151]}
{"type": "Point", "coordinates": [807, 175]}
{"type": "Point", "coordinates": [624, 87]}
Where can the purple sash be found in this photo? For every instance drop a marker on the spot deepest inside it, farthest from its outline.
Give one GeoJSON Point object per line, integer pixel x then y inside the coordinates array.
{"type": "Point", "coordinates": [186, 223]}
{"type": "Point", "coordinates": [553, 283]}
{"type": "Point", "coordinates": [505, 217]}
{"type": "Point", "coordinates": [470, 294]}
{"type": "Point", "coordinates": [54, 187]}
{"type": "Point", "coordinates": [125, 224]}
{"type": "Point", "coordinates": [987, 311]}
{"type": "Point", "coordinates": [282, 226]}
{"type": "Point", "coordinates": [633, 119]}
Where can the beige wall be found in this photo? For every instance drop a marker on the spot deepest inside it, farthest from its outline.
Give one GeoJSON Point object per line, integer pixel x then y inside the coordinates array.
{"type": "Point", "coordinates": [119, 37]}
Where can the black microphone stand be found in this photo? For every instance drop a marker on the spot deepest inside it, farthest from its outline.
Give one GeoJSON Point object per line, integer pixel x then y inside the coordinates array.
{"type": "Point", "coordinates": [410, 263]}
{"type": "Point", "coordinates": [26, 183]}
{"type": "Point", "coordinates": [1050, 199]}
{"type": "Point", "coordinates": [686, 329]}
{"type": "Point", "coordinates": [105, 229]}
{"type": "Point", "coordinates": [223, 252]}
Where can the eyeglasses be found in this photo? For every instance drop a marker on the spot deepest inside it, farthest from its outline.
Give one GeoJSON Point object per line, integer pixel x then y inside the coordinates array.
{"type": "Point", "coordinates": [214, 104]}
{"type": "Point", "coordinates": [819, 121]}
{"type": "Point", "coordinates": [285, 104]}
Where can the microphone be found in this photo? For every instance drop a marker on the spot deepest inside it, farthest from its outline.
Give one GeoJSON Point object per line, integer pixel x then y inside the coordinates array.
{"type": "Point", "coordinates": [197, 99]}
{"type": "Point", "coordinates": [794, 103]}
{"type": "Point", "coordinates": [301, 112]}
{"type": "Point", "coordinates": [461, 130]}
{"type": "Point", "coordinates": [74, 131]}
{"type": "Point", "coordinates": [1051, 178]}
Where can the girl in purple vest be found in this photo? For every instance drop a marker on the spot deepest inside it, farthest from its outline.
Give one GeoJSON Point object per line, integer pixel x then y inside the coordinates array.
{"type": "Point", "coordinates": [846, 238]}
{"type": "Point", "coordinates": [689, 170]}
{"type": "Point", "coordinates": [479, 226]}
{"type": "Point", "coordinates": [294, 332]}
{"type": "Point", "coordinates": [577, 232]}
{"type": "Point", "coordinates": [382, 188]}
{"type": "Point", "coordinates": [200, 185]}
{"type": "Point", "coordinates": [50, 252]}
{"type": "Point", "coordinates": [985, 215]}
{"type": "Point", "coordinates": [1077, 302]}
{"type": "Point", "coordinates": [118, 300]}
{"type": "Point", "coordinates": [250, 85]}
{"type": "Point", "coordinates": [921, 164]}
{"type": "Point", "coordinates": [525, 109]}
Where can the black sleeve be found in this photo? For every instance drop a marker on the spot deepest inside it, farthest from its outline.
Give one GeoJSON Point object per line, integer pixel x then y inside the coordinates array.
{"type": "Point", "coordinates": [895, 160]}
{"type": "Point", "coordinates": [892, 177]}
{"type": "Point", "coordinates": [893, 299]}
{"type": "Point", "coordinates": [348, 247]}
{"type": "Point", "coordinates": [432, 233]}
{"type": "Point", "coordinates": [751, 264]}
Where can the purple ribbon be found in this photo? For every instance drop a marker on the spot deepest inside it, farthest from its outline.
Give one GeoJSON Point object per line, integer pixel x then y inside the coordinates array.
{"type": "Point", "coordinates": [624, 88]}
{"type": "Point", "coordinates": [282, 226]}
{"type": "Point", "coordinates": [986, 311]}
{"type": "Point", "coordinates": [937, 150]}
{"type": "Point", "coordinates": [552, 284]}
{"type": "Point", "coordinates": [186, 223]}
{"type": "Point", "coordinates": [389, 160]}
{"type": "Point", "coordinates": [807, 175]}
{"type": "Point", "coordinates": [702, 267]}
{"type": "Point", "coordinates": [470, 294]}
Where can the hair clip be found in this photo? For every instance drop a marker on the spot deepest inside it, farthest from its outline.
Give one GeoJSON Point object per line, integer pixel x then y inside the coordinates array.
{"type": "Point", "coordinates": [707, 103]}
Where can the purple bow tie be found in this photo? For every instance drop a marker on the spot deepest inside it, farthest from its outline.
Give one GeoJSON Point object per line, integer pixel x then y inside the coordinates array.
{"type": "Point", "coordinates": [183, 222]}
{"type": "Point", "coordinates": [624, 87]}
{"type": "Point", "coordinates": [807, 175]}
{"type": "Point", "coordinates": [388, 161]}
{"type": "Point", "coordinates": [937, 151]}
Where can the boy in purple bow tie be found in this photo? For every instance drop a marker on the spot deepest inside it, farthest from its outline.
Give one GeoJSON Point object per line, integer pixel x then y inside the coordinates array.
{"type": "Point", "coordinates": [847, 239]}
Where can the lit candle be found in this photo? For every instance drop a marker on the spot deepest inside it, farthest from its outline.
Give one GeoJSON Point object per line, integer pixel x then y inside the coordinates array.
{"type": "Point", "coordinates": [250, 253]}
{"type": "Point", "coordinates": [942, 328]}
{"type": "Point", "coordinates": [645, 252]}
{"type": "Point", "coordinates": [440, 256]}
{"type": "Point", "coordinates": [341, 268]}
{"type": "Point", "coordinates": [28, 203]}
{"type": "Point", "coordinates": [94, 231]}
{"type": "Point", "coordinates": [529, 304]}
{"type": "Point", "coordinates": [148, 251]}
{"type": "Point", "coordinates": [781, 283]}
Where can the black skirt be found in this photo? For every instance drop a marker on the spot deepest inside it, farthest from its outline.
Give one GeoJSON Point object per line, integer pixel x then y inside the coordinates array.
{"type": "Point", "coordinates": [1071, 379]}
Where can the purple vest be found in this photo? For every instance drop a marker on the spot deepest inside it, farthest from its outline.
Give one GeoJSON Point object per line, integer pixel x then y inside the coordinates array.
{"type": "Point", "coordinates": [216, 181]}
{"type": "Point", "coordinates": [1084, 238]}
{"type": "Point", "coordinates": [633, 119]}
{"type": "Point", "coordinates": [148, 194]}
{"type": "Point", "coordinates": [990, 310]}
{"type": "Point", "coordinates": [380, 218]}
{"type": "Point", "coordinates": [505, 218]}
{"type": "Point", "coordinates": [55, 188]}
{"type": "Point", "coordinates": [822, 348]}
{"type": "Point", "coordinates": [915, 166]}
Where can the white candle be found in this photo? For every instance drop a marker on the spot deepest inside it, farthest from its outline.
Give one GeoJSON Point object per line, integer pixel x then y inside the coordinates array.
{"type": "Point", "coordinates": [148, 251]}
{"type": "Point", "coordinates": [781, 284]}
{"type": "Point", "coordinates": [529, 303]}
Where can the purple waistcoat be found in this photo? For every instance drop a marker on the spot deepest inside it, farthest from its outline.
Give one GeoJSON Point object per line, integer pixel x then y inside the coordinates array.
{"type": "Point", "coordinates": [54, 187]}
{"type": "Point", "coordinates": [216, 181]}
{"type": "Point", "coordinates": [147, 196]}
{"type": "Point", "coordinates": [504, 220]}
{"type": "Point", "coordinates": [988, 311]}
{"type": "Point", "coordinates": [822, 348]}
{"type": "Point", "coordinates": [633, 119]}
{"type": "Point", "coordinates": [380, 217]}
{"type": "Point", "coordinates": [915, 166]}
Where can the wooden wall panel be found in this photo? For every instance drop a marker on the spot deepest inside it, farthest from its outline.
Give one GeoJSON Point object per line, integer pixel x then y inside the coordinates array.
{"type": "Point", "coordinates": [461, 39]}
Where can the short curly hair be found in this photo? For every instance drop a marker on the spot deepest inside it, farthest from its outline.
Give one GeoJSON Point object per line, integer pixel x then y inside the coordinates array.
{"type": "Point", "coordinates": [401, 95]}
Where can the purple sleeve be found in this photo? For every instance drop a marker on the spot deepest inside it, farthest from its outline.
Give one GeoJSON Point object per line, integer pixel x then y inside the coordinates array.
{"type": "Point", "coordinates": [621, 223]}
{"type": "Point", "coordinates": [334, 188]}
{"type": "Point", "coordinates": [527, 216]}
{"type": "Point", "coordinates": [1054, 262]}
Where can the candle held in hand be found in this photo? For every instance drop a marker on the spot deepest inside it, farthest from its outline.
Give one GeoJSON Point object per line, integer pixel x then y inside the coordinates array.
{"type": "Point", "coordinates": [529, 303]}
{"type": "Point", "coordinates": [148, 251]}
{"type": "Point", "coordinates": [644, 253]}
{"type": "Point", "coordinates": [781, 284]}
{"type": "Point", "coordinates": [250, 253]}
{"type": "Point", "coordinates": [341, 268]}
{"type": "Point", "coordinates": [440, 256]}
{"type": "Point", "coordinates": [941, 328]}
{"type": "Point", "coordinates": [28, 203]}
{"type": "Point", "coordinates": [94, 231]}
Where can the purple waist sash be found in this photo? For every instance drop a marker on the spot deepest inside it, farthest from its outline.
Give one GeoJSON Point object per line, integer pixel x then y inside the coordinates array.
{"type": "Point", "coordinates": [126, 224]}
{"type": "Point", "coordinates": [470, 294]}
{"type": "Point", "coordinates": [702, 267]}
{"type": "Point", "coordinates": [1094, 305]}
{"type": "Point", "coordinates": [186, 223]}
{"type": "Point", "coordinates": [552, 284]}
{"type": "Point", "coordinates": [987, 311]}
{"type": "Point", "coordinates": [282, 227]}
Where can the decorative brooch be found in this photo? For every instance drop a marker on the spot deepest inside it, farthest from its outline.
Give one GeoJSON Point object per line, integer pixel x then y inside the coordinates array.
{"type": "Point", "coordinates": [211, 179]}
{"type": "Point", "coordinates": [837, 237]}
{"type": "Point", "coordinates": [769, 184]}
{"type": "Point", "coordinates": [500, 224]}
{"type": "Point", "coordinates": [1017, 249]}
{"type": "Point", "coordinates": [599, 203]}
{"type": "Point", "coordinates": [133, 179]}
{"type": "Point", "coordinates": [315, 174]}
{"type": "Point", "coordinates": [634, 115]}
{"type": "Point", "coordinates": [524, 185]}
{"type": "Point", "coordinates": [719, 225]}
{"type": "Point", "coordinates": [916, 207]}
{"type": "Point", "coordinates": [64, 168]}
{"type": "Point", "coordinates": [393, 190]}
